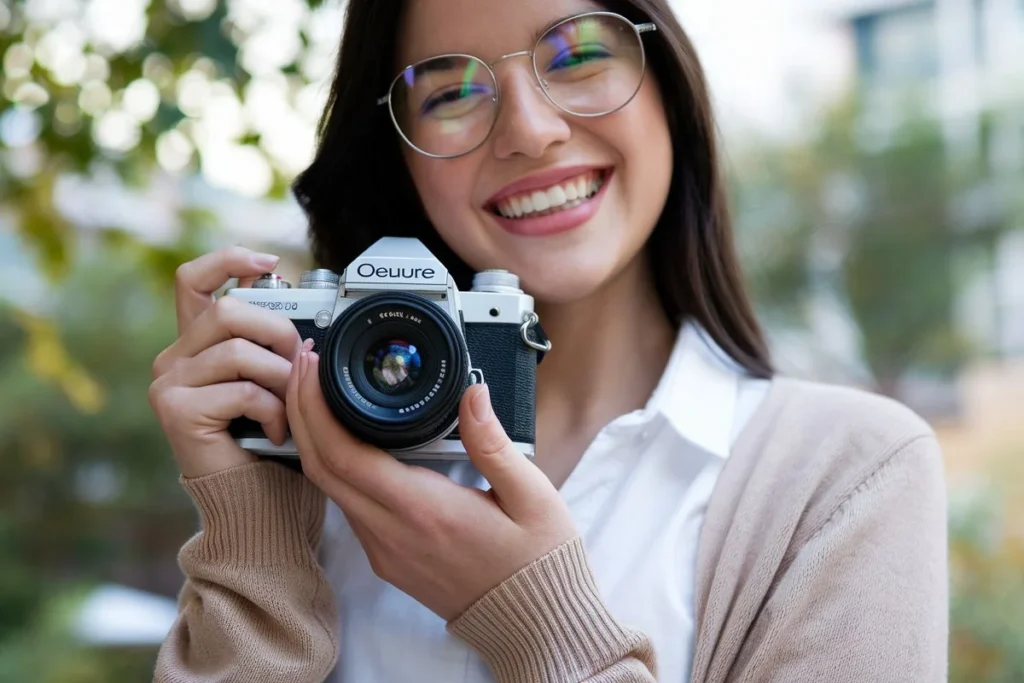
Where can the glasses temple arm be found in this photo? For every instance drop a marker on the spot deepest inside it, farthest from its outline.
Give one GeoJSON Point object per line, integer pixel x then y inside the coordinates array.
{"type": "Point", "coordinates": [646, 28]}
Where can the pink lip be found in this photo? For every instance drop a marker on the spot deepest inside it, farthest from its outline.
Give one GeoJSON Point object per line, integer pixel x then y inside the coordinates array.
{"type": "Point", "coordinates": [562, 221]}
{"type": "Point", "coordinates": [540, 181]}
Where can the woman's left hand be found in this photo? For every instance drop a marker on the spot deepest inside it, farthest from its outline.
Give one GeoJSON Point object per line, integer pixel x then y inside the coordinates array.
{"type": "Point", "coordinates": [443, 544]}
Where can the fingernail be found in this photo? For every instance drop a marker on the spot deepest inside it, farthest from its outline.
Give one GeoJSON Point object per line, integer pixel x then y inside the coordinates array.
{"type": "Point", "coordinates": [481, 404]}
{"type": "Point", "coordinates": [313, 356]}
{"type": "Point", "coordinates": [266, 261]}
{"type": "Point", "coordinates": [307, 345]}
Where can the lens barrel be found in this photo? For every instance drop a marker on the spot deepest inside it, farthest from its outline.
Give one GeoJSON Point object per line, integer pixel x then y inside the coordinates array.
{"type": "Point", "coordinates": [393, 369]}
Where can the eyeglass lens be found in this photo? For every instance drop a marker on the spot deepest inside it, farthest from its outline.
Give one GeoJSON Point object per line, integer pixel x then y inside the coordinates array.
{"type": "Point", "coordinates": [587, 66]}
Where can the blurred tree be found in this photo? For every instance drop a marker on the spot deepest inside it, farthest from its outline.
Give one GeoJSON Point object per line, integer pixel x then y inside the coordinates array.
{"type": "Point", "coordinates": [987, 568]}
{"type": "Point", "coordinates": [229, 89]}
{"type": "Point", "coordinates": [87, 469]}
{"type": "Point", "coordinates": [133, 90]}
{"type": "Point", "coordinates": [875, 221]}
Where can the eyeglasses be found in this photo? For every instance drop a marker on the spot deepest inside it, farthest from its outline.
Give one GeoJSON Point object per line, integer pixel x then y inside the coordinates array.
{"type": "Point", "coordinates": [588, 65]}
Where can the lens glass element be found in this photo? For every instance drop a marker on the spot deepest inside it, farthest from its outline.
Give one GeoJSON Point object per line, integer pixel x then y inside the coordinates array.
{"type": "Point", "coordinates": [393, 366]}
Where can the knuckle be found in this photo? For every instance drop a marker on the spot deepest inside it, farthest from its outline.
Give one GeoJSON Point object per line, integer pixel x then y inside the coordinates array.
{"type": "Point", "coordinates": [235, 349]}
{"type": "Point", "coordinates": [279, 327]}
{"type": "Point", "coordinates": [168, 404]}
{"type": "Point", "coordinates": [338, 465]}
{"type": "Point", "coordinates": [155, 395]}
{"type": "Point", "coordinates": [290, 332]}
{"type": "Point", "coordinates": [225, 308]}
{"type": "Point", "coordinates": [493, 442]}
{"type": "Point", "coordinates": [234, 253]}
{"type": "Point", "coordinates": [249, 392]}
{"type": "Point", "coordinates": [160, 365]}
{"type": "Point", "coordinates": [183, 273]}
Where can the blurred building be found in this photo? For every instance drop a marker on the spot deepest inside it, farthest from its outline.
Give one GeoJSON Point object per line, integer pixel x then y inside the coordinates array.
{"type": "Point", "coordinates": [963, 61]}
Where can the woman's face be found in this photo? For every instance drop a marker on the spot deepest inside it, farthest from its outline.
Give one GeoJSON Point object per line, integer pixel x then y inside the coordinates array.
{"type": "Point", "coordinates": [559, 255]}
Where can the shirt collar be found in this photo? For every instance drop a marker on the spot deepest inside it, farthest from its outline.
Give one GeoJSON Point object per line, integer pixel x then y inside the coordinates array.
{"type": "Point", "coordinates": [697, 393]}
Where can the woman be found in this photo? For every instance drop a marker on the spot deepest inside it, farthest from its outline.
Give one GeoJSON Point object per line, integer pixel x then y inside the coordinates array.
{"type": "Point", "coordinates": [688, 515]}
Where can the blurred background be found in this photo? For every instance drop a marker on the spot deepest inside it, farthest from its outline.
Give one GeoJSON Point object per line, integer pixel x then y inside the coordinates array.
{"type": "Point", "coordinates": [876, 154]}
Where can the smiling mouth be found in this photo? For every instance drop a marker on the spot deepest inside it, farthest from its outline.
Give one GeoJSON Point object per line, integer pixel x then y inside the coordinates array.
{"type": "Point", "coordinates": [562, 196]}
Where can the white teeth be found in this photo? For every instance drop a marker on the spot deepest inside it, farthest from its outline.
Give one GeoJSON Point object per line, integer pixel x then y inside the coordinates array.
{"type": "Point", "coordinates": [557, 196]}
{"type": "Point", "coordinates": [568, 195]}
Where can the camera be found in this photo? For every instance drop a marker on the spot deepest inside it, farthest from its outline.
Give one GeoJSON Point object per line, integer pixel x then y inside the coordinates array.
{"type": "Point", "coordinates": [399, 344]}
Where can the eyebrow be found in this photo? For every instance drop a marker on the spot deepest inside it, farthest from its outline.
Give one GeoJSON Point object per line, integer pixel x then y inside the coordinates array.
{"type": "Point", "coordinates": [439, 63]}
{"type": "Point", "coordinates": [536, 36]}
{"type": "Point", "coordinates": [426, 64]}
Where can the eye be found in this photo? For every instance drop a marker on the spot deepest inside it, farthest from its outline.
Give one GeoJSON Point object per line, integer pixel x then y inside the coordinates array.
{"type": "Point", "coordinates": [455, 100]}
{"type": "Point", "coordinates": [578, 55]}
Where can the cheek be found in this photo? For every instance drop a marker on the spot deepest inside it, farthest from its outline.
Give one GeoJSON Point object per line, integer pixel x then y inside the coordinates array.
{"type": "Point", "coordinates": [648, 152]}
{"type": "Point", "coordinates": [444, 188]}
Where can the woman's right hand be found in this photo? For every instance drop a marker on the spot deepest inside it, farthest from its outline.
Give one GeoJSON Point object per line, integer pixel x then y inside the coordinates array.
{"type": "Point", "coordinates": [231, 359]}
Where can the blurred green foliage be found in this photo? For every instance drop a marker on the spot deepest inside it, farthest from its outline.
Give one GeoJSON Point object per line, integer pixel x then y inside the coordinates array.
{"type": "Point", "coordinates": [878, 223]}
{"type": "Point", "coordinates": [90, 490]}
{"type": "Point", "coordinates": [987, 567]}
{"type": "Point", "coordinates": [173, 45]}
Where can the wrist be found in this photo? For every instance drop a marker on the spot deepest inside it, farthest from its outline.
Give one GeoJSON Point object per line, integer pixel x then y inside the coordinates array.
{"type": "Point", "coordinates": [256, 514]}
{"type": "Point", "coordinates": [547, 618]}
{"type": "Point", "coordinates": [196, 462]}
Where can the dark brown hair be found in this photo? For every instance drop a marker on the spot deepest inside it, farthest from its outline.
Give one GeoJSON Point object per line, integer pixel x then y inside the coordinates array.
{"type": "Point", "coordinates": [358, 188]}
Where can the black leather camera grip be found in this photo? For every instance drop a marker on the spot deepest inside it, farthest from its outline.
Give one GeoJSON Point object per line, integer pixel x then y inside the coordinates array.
{"type": "Point", "coordinates": [510, 370]}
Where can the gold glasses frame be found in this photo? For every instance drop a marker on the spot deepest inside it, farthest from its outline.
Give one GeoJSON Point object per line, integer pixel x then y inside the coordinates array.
{"type": "Point", "coordinates": [638, 29]}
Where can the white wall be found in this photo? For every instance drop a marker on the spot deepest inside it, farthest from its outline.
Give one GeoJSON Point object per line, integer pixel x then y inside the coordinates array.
{"type": "Point", "coordinates": [771, 64]}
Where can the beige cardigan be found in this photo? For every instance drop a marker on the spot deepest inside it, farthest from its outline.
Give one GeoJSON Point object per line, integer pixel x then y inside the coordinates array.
{"type": "Point", "coordinates": [823, 557]}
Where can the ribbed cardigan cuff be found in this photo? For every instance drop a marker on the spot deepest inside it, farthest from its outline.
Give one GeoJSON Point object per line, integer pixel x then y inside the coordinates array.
{"type": "Point", "coordinates": [256, 515]}
{"type": "Point", "coordinates": [547, 623]}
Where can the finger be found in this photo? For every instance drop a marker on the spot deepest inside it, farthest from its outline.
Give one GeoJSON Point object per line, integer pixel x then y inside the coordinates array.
{"type": "Point", "coordinates": [233, 360]}
{"type": "Point", "coordinates": [373, 472]}
{"type": "Point", "coordinates": [312, 464]}
{"type": "Point", "coordinates": [228, 318]}
{"type": "Point", "coordinates": [515, 481]}
{"type": "Point", "coordinates": [222, 403]}
{"type": "Point", "coordinates": [196, 281]}
{"type": "Point", "coordinates": [246, 282]}
{"type": "Point", "coordinates": [355, 504]}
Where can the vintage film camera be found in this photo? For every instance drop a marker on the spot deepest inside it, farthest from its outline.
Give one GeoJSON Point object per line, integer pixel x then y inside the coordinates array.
{"type": "Point", "coordinates": [399, 344]}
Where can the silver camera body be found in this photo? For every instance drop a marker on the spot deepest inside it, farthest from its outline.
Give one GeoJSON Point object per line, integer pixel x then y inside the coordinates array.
{"type": "Point", "coordinates": [399, 344]}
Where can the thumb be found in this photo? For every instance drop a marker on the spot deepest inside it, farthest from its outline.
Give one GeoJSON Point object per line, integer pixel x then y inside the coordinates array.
{"type": "Point", "coordinates": [515, 481]}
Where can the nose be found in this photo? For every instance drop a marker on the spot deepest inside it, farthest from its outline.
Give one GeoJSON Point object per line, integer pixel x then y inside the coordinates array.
{"type": "Point", "coordinates": [528, 124]}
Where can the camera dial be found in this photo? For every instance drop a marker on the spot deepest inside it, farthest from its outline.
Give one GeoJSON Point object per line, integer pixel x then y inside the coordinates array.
{"type": "Point", "coordinates": [319, 279]}
{"type": "Point", "coordinates": [271, 281]}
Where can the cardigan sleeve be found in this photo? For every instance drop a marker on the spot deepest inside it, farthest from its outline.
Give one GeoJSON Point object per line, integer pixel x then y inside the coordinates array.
{"type": "Point", "coordinates": [547, 623]}
{"type": "Point", "coordinates": [866, 598]}
{"type": "Point", "coordinates": [256, 605]}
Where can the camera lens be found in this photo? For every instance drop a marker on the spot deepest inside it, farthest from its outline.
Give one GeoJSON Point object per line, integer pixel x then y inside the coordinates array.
{"type": "Point", "coordinates": [394, 367]}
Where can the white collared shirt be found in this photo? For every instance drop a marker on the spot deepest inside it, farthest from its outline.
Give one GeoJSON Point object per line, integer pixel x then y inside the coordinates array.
{"type": "Point", "coordinates": [638, 496]}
